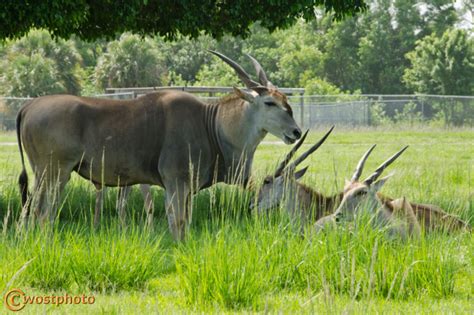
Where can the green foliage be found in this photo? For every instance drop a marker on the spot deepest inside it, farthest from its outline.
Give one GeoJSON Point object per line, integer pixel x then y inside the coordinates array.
{"type": "Point", "coordinates": [32, 75]}
{"type": "Point", "coordinates": [317, 86]}
{"type": "Point", "coordinates": [216, 74]}
{"type": "Point", "coordinates": [298, 64]}
{"type": "Point", "coordinates": [129, 62]}
{"type": "Point", "coordinates": [409, 114]}
{"type": "Point", "coordinates": [369, 52]}
{"type": "Point", "coordinates": [442, 65]}
{"type": "Point", "coordinates": [378, 116]}
{"type": "Point", "coordinates": [339, 46]}
{"type": "Point", "coordinates": [184, 56]}
{"type": "Point", "coordinates": [91, 20]}
{"type": "Point", "coordinates": [53, 69]}
{"type": "Point", "coordinates": [63, 53]}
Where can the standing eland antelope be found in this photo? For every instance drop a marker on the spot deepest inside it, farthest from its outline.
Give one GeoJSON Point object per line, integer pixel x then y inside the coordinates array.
{"type": "Point", "coordinates": [168, 138]}
{"type": "Point", "coordinates": [301, 202]}
{"type": "Point", "coordinates": [397, 215]}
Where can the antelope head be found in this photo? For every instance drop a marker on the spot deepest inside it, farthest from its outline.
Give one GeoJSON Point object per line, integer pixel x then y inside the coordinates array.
{"type": "Point", "coordinates": [363, 194]}
{"type": "Point", "coordinates": [283, 181]}
{"type": "Point", "coordinates": [271, 111]}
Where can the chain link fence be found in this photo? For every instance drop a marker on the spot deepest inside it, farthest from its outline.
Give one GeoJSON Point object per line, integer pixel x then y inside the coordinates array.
{"type": "Point", "coordinates": [347, 110]}
{"type": "Point", "coordinates": [381, 110]}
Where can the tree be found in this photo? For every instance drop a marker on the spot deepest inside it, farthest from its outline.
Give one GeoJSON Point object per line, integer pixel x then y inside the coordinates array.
{"type": "Point", "coordinates": [442, 65]}
{"type": "Point", "coordinates": [380, 68]}
{"type": "Point", "coordinates": [217, 73]}
{"type": "Point", "coordinates": [31, 75]}
{"type": "Point", "coordinates": [130, 62]}
{"type": "Point", "coordinates": [339, 43]}
{"type": "Point", "coordinates": [439, 15]}
{"type": "Point", "coordinates": [95, 19]}
{"type": "Point", "coordinates": [26, 76]}
{"type": "Point", "coordinates": [297, 64]}
{"type": "Point", "coordinates": [62, 55]}
{"type": "Point", "coordinates": [185, 56]}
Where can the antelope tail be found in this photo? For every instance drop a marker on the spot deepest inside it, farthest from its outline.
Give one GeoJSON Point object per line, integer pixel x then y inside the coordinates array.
{"type": "Point", "coordinates": [23, 179]}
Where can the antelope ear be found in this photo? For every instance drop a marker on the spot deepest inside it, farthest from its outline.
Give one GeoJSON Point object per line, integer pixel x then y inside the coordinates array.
{"type": "Point", "coordinates": [378, 184]}
{"type": "Point", "coordinates": [244, 95]}
{"type": "Point", "coordinates": [300, 173]}
{"type": "Point", "coordinates": [261, 90]}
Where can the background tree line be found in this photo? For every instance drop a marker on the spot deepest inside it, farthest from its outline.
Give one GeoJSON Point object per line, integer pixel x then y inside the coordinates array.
{"type": "Point", "coordinates": [395, 47]}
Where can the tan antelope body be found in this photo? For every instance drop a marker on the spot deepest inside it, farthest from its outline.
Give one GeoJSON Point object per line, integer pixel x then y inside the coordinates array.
{"type": "Point", "coordinates": [168, 138]}
{"type": "Point", "coordinates": [430, 217]}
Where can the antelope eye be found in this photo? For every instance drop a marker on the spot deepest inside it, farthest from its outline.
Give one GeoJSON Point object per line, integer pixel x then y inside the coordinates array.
{"type": "Point", "coordinates": [266, 181]}
{"type": "Point", "coordinates": [270, 103]}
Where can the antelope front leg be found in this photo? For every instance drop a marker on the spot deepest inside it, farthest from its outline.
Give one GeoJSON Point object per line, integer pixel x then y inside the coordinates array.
{"type": "Point", "coordinates": [149, 207]}
{"type": "Point", "coordinates": [413, 224]}
{"type": "Point", "coordinates": [124, 193]}
{"type": "Point", "coordinates": [176, 210]}
{"type": "Point", "coordinates": [405, 210]}
{"type": "Point", "coordinates": [99, 205]}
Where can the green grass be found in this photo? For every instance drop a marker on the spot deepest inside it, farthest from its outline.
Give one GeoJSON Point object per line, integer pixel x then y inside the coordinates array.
{"type": "Point", "coordinates": [236, 262]}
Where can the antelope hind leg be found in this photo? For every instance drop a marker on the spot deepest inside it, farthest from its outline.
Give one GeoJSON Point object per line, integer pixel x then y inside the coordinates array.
{"type": "Point", "coordinates": [177, 201]}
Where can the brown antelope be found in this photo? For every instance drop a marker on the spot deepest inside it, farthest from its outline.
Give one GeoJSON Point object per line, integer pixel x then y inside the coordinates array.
{"type": "Point", "coordinates": [302, 203]}
{"type": "Point", "coordinates": [168, 138]}
{"type": "Point", "coordinates": [359, 197]}
{"type": "Point", "coordinates": [431, 217]}
{"type": "Point", "coordinates": [310, 205]}
{"type": "Point", "coordinates": [365, 195]}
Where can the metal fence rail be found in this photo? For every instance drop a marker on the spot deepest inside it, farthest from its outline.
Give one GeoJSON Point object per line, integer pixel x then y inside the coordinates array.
{"type": "Point", "coordinates": [314, 110]}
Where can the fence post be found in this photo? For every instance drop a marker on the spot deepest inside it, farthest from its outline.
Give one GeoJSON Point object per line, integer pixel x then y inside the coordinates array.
{"type": "Point", "coordinates": [423, 108]}
{"type": "Point", "coordinates": [369, 122]}
{"type": "Point", "coordinates": [302, 110]}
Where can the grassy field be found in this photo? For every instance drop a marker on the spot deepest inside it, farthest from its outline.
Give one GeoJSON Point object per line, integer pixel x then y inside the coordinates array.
{"type": "Point", "coordinates": [237, 262]}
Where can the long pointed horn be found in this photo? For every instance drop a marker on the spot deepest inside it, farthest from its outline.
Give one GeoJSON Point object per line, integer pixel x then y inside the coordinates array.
{"type": "Point", "coordinates": [360, 165]}
{"type": "Point", "coordinates": [383, 166]}
{"type": "Point", "coordinates": [244, 77]}
{"type": "Point", "coordinates": [262, 77]}
{"type": "Point", "coordinates": [310, 150]}
{"type": "Point", "coordinates": [290, 154]}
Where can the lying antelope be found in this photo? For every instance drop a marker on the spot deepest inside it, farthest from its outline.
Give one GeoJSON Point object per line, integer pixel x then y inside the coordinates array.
{"type": "Point", "coordinates": [397, 215]}
{"type": "Point", "coordinates": [431, 217]}
{"type": "Point", "coordinates": [302, 203]}
{"type": "Point", "coordinates": [168, 138]}
{"type": "Point", "coordinates": [310, 205]}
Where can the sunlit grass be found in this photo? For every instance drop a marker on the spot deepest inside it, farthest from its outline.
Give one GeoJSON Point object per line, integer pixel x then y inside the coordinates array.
{"type": "Point", "coordinates": [235, 261]}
